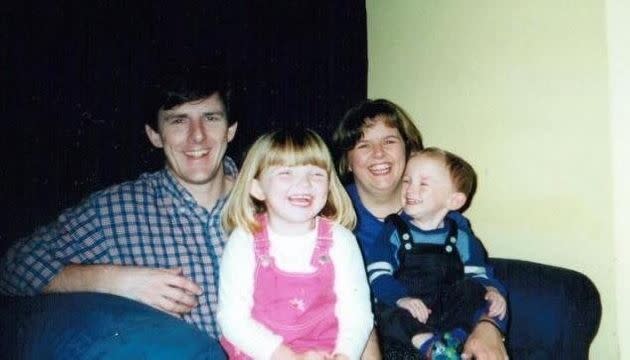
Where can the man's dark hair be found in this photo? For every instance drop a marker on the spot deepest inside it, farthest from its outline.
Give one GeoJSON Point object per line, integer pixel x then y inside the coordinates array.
{"type": "Point", "coordinates": [181, 84]}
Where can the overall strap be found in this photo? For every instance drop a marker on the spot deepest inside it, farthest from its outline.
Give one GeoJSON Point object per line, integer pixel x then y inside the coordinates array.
{"type": "Point", "coordinates": [450, 243]}
{"type": "Point", "coordinates": [261, 238]}
{"type": "Point", "coordinates": [404, 235]}
{"type": "Point", "coordinates": [324, 240]}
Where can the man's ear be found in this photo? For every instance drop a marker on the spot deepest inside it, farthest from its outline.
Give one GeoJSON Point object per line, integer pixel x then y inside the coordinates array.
{"type": "Point", "coordinates": [154, 136]}
{"type": "Point", "coordinates": [456, 201]}
{"type": "Point", "coordinates": [231, 131]}
{"type": "Point", "coordinates": [256, 191]}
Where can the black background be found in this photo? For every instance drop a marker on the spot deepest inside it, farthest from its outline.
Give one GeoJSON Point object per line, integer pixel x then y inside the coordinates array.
{"type": "Point", "coordinates": [73, 75]}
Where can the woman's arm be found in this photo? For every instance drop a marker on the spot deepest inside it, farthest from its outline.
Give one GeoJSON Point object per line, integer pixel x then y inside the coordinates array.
{"type": "Point", "coordinates": [381, 264]}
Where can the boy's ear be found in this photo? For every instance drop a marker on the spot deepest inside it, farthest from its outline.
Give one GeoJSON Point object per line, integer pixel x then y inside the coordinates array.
{"type": "Point", "coordinates": [456, 201]}
{"type": "Point", "coordinates": [256, 191]}
{"type": "Point", "coordinates": [154, 136]}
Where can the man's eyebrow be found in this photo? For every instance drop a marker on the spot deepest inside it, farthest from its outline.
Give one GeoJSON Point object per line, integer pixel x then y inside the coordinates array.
{"type": "Point", "coordinates": [218, 112]}
{"type": "Point", "coordinates": [176, 115]}
{"type": "Point", "coordinates": [168, 116]}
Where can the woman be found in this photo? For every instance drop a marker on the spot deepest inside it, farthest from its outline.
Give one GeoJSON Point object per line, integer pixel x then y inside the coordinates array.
{"type": "Point", "coordinates": [375, 139]}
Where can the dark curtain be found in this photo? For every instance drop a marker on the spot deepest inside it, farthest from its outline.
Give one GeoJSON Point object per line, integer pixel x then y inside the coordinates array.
{"type": "Point", "coordinates": [73, 74]}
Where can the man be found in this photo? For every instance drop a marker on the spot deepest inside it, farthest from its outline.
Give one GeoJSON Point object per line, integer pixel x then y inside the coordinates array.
{"type": "Point", "coordinates": [157, 239]}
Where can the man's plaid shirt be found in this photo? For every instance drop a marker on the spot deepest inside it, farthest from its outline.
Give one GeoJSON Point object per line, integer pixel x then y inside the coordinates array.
{"type": "Point", "coordinates": [152, 221]}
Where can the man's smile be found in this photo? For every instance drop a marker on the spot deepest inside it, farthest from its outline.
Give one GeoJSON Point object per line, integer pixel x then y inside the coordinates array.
{"type": "Point", "coordinates": [197, 153]}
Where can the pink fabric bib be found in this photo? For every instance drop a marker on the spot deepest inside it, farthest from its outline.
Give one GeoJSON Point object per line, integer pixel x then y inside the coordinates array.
{"type": "Point", "coordinates": [300, 307]}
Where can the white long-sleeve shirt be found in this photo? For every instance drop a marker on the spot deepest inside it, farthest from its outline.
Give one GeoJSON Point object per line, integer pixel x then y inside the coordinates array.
{"type": "Point", "coordinates": [292, 254]}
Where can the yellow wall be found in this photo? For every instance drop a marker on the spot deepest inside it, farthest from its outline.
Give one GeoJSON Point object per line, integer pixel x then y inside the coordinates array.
{"type": "Point", "coordinates": [521, 89]}
{"type": "Point", "coordinates": [618, 12]}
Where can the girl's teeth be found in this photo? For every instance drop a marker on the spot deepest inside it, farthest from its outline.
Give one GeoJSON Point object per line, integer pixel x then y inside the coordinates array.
{"type": "Point", "coordinates": [300, 200]}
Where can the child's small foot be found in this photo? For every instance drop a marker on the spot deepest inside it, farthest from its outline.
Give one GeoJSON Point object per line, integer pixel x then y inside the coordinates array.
{"type": "Point", "coordinates": [424, 343]}
{"type": "Point", "coordinates": [455, 338]}
{"type": "Point", "coordinates": [450, 346]}
{"type": "Point", "coordinates": [439, 351]}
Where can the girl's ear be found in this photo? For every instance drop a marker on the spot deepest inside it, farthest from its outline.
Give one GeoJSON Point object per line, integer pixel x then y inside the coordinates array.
{"type": "Point", "coordinates": [456, 201]}
{"type": "Point", "coordinates": [256, 191]}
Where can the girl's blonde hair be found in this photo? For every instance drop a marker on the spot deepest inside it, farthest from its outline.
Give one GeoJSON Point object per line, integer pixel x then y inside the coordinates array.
{"type": "Point", "coordinates": [287, 147]}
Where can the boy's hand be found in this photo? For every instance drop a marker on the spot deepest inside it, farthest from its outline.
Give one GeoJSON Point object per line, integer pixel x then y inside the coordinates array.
{"type": "Point", "coordinates": [498, 306]}
{"type": "Point", "coordinates": [416, 307]}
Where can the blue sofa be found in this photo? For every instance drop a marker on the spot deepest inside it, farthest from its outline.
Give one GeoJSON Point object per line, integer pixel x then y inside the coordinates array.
{"type": "Point", "coordinates": [97, 326]}
{"type": "Point", "coordinates": [555, 314]}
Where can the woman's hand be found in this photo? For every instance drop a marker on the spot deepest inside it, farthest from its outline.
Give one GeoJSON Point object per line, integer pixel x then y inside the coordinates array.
{"type": "Point", "coordinates": [485, 343]}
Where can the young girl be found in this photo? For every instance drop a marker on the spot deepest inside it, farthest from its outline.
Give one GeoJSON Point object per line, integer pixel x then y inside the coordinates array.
{"type": "Point", "coordinates": [292, 281]}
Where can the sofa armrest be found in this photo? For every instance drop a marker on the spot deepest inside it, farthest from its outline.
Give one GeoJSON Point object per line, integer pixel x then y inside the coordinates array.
{"type": "Point", "coordinates": [553, 311]}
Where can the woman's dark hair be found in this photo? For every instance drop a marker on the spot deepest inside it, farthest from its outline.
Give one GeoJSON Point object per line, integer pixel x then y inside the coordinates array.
{"type": "Point", "coordinates": [360, 117]}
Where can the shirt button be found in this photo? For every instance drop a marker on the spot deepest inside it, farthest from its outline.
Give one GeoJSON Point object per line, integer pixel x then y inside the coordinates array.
{"type": "Point", "coordinates": [449, 248]}
{"type": "Point", "coordinates": [453, 239]}
{"type": "Point", "coordinates": [405, 236]}
{"type": "Point", "coordinates": [408, 246]}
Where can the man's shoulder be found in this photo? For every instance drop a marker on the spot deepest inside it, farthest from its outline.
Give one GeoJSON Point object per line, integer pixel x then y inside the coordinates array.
{"type": "Point", "coordinates": [230, 169]}
{"type": "Point", "coordinates": [145, 186]}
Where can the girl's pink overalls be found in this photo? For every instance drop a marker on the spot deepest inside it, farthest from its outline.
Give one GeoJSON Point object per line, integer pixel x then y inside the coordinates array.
{"type": "Point", "coordinates": [300, 307]}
